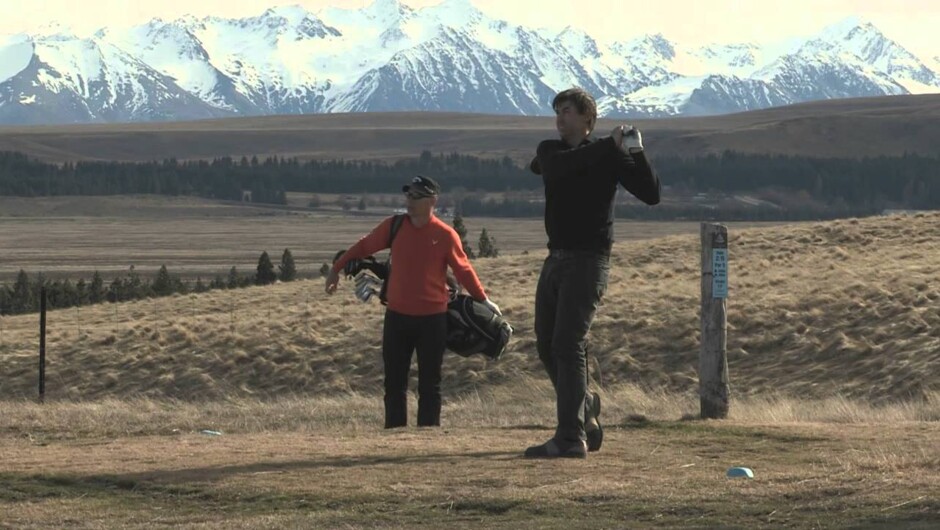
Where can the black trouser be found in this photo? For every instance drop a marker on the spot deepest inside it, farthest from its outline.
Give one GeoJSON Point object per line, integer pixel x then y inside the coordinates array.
{"type": "Point", "coordinates": [402, 335]}
{"type": "Point", "coordinates": [570, 286]}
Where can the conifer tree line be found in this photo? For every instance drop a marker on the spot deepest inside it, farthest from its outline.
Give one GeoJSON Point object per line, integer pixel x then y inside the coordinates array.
{"type": "Point", "coordinates": [850, 185]}
{"type": "Point", "coordinates": [23, 296]}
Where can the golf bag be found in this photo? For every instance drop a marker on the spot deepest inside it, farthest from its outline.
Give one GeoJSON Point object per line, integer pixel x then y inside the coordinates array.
{"type": "Point", "coordinates": [474, 328]}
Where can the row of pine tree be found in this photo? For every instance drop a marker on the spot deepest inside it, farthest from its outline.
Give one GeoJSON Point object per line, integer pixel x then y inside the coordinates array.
{"type": "Point", "coordinates": [24, 295]}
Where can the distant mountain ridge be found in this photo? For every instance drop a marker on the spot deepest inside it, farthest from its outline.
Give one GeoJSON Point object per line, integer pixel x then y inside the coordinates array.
{"type": "Point", "coordinates": [448, 57]}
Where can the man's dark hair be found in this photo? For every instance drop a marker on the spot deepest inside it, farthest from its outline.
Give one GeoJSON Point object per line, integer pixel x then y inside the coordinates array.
{"type": "Point", "coordinates": [581, 100]}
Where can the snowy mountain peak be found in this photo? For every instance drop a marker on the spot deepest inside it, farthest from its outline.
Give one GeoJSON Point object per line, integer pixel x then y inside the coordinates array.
{"type": "Point", "coordinates": [657, 45]}
{"type": "Point", "coordinates": [283, 16]}
{"type": "Point", "coordinates": [579, 43]}
{"type": "Point", "coordinates": [662, 45]}
{"type": "Point", "coordinates": [455, 13]}
{"type": "Point", "coordinates": [157, 29]}
{"type": "Point", "coordinates": [291, 20]}
{"type": "Point", "coordinates": [294, 14]}
{"type": "Point", "coordinates": [856, 39]}
{"type": "Point", "coordinates": [189, 21]}
{"type": "Point", "coordinates": [444, 57]}
{"type": "Point", "coordinates": [458, 5]}
{"type": "Point", "coordinates": [846, 27]}
{"type": "Point", "coordinates": [387, 11]}
{"type": "Point", "coordinates": [56, 31]}
{"type": "Point", "coordinates": [571, 31]}
{"type": "Point", "coordinates": [854, 35]}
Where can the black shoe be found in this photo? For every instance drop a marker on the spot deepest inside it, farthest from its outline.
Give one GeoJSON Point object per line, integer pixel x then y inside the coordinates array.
{"type": "Point", "coordinates": [557, 449]}
{"type": "Point", "coordinates": [595, 436]}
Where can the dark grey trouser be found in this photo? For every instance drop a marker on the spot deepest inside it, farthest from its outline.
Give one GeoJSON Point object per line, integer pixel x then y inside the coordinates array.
{"type": "Point", "coordinates": [570, 286]}
{"type": "Point", "coordinates": [402, 335]}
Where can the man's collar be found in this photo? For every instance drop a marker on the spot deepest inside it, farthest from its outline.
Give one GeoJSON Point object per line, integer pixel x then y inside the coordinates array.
{"type": "Point", "coordinates": [587, 139]}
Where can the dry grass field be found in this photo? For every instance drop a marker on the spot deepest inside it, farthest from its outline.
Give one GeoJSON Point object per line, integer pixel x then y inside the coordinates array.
{"type": "Point", "coordinates": [841, 128]}
{"type": "Point", "coordinates": [834, 355]}
{"type": "Point", "coordinates": [838, 308]}
{"type": "Point", "coordinates": [74, 236]}
{"type": "Point", "coordinates": [324, 463]}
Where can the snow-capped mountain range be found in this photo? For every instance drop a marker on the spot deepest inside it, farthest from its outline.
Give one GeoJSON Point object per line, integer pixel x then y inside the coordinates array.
{"type": "Point", "coordinates": [448, 57]}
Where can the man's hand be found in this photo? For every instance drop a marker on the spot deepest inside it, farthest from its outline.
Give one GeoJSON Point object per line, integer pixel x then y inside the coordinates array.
{"type": "Point", "coordinates": [632, 140]}
{"type": "Point", "coordinates": [332, 280]}
{"type": "Point", "coordinates": [617, 135]}
{"type": "Point", "coordinates": [628, 138]}
{"type": "Point", "coordinates": [492, 306]}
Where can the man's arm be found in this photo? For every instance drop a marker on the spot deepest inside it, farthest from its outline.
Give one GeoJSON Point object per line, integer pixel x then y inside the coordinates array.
{"type": "Point", "coordinates": [635, 173]}
{"type": "Point", "coordinates": [463, 271]}
{"type": "Point", "coordinates": [555, 159]}
{"type": "Point", "coordinates": [369, 244]}
{"type": "Point", "coordinates": [534, 166]}
{"type": "Point", "coordinates": [632, 168]}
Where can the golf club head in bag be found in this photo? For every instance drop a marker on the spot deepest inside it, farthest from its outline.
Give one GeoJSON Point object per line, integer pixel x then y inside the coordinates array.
{"type": "Point", "coordinates": [367, 286]}
{"type": "Point", "coordinates": [355, 266]}
{"type": "Point", "coordinates": [474, 328]}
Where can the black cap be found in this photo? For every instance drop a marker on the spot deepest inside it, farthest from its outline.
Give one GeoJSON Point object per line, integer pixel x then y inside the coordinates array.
{"type": "Point", "coordinates": [424, 186]}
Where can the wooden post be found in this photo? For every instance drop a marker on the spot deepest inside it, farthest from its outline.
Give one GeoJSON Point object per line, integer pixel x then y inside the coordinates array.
{"type": "Point", "coordinates": [713, 358]}
{"type": "Point", "coordinates": [42, 345]}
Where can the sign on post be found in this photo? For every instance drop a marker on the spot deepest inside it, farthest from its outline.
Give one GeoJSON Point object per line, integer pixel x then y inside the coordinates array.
{"type": "Point", "coordinates": [719, 265]}
{"type": "Point", "coordinates": [713, 356]}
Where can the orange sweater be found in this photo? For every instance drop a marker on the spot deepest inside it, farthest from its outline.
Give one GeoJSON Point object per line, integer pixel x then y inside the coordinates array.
{"type": "Point", "coordinates": [420, 257]}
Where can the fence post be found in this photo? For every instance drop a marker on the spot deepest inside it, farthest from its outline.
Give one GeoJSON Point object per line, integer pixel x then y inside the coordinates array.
{"type": "Point", "coordinates": [42, 345]}
{"type": "Point", "coordinates": [713, 358]}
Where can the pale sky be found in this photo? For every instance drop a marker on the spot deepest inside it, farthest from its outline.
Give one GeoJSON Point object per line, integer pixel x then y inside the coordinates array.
{"type": "Point", "coordinates": [915, 24]}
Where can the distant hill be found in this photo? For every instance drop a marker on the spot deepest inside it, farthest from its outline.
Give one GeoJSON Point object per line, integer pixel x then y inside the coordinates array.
{"type": "Point", "coordinates": [852, 128]}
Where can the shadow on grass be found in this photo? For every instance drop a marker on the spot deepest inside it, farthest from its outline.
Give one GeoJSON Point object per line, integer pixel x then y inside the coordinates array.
{"type": "Point", "coordinates": [210, 474]}
{"type": "Point", "coordinates": [715, 429]}
{"type": "Point", "coordinates": [138, 493]}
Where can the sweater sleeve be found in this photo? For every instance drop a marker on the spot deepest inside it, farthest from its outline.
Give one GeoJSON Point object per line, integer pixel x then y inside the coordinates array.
{"type": "Point", "coordinates": [369, 244]}
{"type": "Point", "coordinates": [534, 166]}
{"type": "Point", "coordinates": [463, 271]}
{"type": "Point", "coordinates": [636, 175]}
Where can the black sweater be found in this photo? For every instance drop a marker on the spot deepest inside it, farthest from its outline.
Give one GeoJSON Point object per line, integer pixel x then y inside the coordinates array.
{"type": "Point", "coordinates": [580, 185]}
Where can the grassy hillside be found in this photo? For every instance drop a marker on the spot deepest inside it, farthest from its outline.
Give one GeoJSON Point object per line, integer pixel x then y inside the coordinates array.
{"type": "Point", "coordinates": [891, 125]}
{"type": "Point", "coordinates": [838, 308]}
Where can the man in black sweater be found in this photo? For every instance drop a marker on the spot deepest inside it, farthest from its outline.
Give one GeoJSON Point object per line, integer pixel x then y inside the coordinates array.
{"type": "Point", "coordinates": [580, 174]}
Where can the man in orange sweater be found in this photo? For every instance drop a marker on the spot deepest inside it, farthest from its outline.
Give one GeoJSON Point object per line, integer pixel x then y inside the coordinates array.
{"type": "Point", "coordinates": [416, 316]}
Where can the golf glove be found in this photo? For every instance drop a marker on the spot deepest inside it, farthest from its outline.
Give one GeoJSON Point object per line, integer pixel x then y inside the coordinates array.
{"type": "Point", "coordinates": [632, 139]}
{"type": "Point", "coordinates": [492, 306]}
